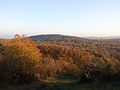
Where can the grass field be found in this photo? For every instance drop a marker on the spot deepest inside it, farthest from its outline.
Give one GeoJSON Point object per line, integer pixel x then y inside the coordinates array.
{"type": "Point", "coordinates": [60, 85]}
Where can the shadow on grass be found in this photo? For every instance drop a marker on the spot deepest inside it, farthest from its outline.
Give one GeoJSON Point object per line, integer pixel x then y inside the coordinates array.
{"type": "Point", "coordinates": [60, 85]}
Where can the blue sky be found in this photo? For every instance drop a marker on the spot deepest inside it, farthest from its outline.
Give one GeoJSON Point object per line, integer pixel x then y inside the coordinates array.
{"type": "Point", "coordinates": [69, 17]}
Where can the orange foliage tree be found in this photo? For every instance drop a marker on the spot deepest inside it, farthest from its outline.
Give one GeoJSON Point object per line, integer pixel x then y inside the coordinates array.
{"type": "Point", "coordinates": [21, 59]}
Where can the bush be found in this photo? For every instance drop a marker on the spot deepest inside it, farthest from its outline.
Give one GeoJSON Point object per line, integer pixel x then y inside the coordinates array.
{"type": "Point", "coordinates": [97, 74]}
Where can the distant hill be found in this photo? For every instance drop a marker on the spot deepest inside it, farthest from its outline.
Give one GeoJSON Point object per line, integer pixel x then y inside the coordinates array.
{"type": "Point", "coordinates": [52, 37]}
{"type": "Point", "coordinates": [111, 44]}
{"type": "Point", "coordinates": [82, 42]}
{"type": "Point", "coordinates": [109, 37]}
{"type": "Point", "coordinates": [55, 37]}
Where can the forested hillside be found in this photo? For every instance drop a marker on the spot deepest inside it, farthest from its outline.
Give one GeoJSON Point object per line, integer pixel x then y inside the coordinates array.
{"type": "Point", "coordinates": [101, 56]}
{"type": "Point", "coordinates": [95, 46]}
{"type": "Point", "coordinates": [59, 57]}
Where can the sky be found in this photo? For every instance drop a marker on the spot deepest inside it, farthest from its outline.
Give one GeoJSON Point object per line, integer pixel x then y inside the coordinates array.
{"type": "Point", "coordinates": [69, 17]}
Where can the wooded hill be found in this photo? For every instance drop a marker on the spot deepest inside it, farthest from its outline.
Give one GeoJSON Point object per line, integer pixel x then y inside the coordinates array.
{"type": "Point", "coordinates": [60, 57]}
{"type": "Point", "coordinates": [111, 45]}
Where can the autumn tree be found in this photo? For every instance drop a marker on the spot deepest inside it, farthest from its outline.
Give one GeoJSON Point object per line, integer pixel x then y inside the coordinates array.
{"type": "Point", "coordinates": [21, 59]}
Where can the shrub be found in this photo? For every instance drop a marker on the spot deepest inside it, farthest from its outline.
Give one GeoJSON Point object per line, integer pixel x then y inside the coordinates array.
{"type": "Point", "coordinates": [97, 74]}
